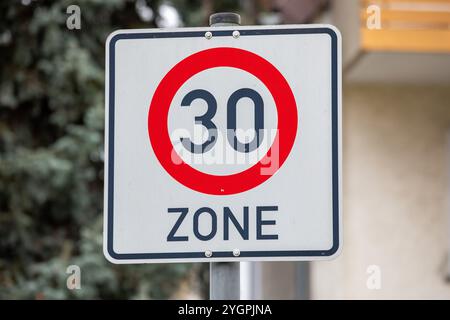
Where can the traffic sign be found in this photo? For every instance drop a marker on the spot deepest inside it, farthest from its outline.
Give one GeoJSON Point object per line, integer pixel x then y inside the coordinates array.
{"type": "Point", "coordinates": [223, 144]}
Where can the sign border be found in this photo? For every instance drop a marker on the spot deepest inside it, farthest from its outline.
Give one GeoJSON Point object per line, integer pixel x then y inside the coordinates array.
{"type": "Point", "coordinates": [115, 257]}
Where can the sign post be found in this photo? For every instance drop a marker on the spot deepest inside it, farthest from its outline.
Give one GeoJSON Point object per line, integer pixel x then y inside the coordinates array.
{"type": "Point", "coordinates": [222, 145]}
{"type": "Point", "coordinates": [224, 277]}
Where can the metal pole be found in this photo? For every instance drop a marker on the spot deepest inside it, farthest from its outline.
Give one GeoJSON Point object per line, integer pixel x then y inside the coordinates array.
{"type": "Point", "coordinates": [224, 19]}
{"type": "Point", "coordinates": [224, 277]}
{"type": "Point", "coordinates": [224, 281]}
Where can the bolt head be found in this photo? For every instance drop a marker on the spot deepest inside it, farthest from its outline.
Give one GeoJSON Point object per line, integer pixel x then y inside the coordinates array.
{"type": "Point", "coordinates": [236, 34]}
{"type": "Point", "coordinates": [236, 252]}
{"type": "Point", "coordinates": [208, 35]}
{"type": "Point", "coordinates": [208, 253]}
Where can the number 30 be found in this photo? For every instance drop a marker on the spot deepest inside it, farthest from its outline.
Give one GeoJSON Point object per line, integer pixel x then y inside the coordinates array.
{"type": "Point", "coordinates": [206, 120]}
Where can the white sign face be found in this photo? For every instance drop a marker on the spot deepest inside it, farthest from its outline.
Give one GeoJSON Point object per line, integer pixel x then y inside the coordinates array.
{"type": "Point", "coordinates": [223, 144]}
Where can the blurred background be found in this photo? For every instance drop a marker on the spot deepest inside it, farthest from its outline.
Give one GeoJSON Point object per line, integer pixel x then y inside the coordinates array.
{"type": "Point", "coordinates": [396, 134]}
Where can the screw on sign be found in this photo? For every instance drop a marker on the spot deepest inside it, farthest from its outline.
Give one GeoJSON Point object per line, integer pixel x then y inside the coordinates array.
{"type": "Point", "coordinates": [222, 147]}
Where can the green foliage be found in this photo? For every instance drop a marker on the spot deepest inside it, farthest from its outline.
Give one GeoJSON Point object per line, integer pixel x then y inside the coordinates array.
{"type": "Point", "coordinates": [51, 153]}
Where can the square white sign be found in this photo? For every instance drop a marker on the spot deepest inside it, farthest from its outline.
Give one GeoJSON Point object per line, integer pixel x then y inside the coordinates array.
{"type": "Point", "coordinates": [223, 144]}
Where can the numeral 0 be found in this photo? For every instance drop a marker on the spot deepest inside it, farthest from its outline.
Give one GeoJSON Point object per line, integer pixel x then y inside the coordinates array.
{"type": "Point", "coordinates": [206, 120]}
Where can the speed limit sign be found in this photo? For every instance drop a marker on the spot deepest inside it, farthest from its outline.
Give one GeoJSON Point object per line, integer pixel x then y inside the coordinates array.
{"type": "Point", "coordinates": [223, 144]}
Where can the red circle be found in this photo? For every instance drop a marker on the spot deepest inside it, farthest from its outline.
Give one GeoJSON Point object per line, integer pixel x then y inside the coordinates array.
{"type": "Point", "coordinates": [177, 76]}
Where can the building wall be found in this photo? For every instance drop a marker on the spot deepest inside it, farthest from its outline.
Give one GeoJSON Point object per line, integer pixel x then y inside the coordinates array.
{"type": "Point", "coordinates": [396, 187]}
